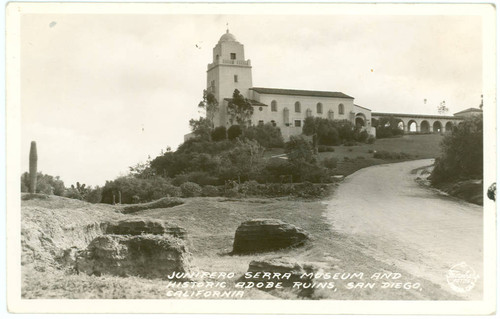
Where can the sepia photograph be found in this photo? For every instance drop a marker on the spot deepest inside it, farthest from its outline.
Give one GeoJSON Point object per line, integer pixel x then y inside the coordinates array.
{"type": "Point", "coordinates": [251, 158]}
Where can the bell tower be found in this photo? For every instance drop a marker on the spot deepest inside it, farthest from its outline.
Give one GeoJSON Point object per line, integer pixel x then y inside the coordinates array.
{"type": "Point", "coordinates": [228, 71]}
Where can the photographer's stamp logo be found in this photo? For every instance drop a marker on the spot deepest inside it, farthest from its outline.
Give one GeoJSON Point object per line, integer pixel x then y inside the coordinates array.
{"type": "Point", "coordinates": [461, 277]}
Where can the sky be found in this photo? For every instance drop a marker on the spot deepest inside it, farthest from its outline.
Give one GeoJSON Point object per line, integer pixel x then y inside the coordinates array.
{"type": "Point", "coordinates": [100, 93]}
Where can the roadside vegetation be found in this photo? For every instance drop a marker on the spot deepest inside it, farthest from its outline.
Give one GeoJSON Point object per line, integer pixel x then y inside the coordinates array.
{"type": "Point", "coordinates": [459, 168]}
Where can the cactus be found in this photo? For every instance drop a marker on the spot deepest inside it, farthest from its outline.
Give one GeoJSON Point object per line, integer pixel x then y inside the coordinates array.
{"type": "Point", "coordinates": [33, 167]}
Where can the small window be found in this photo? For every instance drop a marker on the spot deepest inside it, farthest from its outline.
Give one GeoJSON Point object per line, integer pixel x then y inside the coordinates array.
{"type": "Point", "coordinates": [212, 85]}
{"type": "Point", "coordinates": [235, 78]}
{"type": "Point", "coordinates": [309, 113]}
{"type": "Point", "coordinates": [233, 56]}
{"type": "Point", "coordinates": [319, 108]}
{"type": "Point", "coordinates": [261, 122]}
{"type": "Point", "coordinates": [273, 122]}
{"type": "Point", "coordinates": [341, 108]}
{"type": "Point", "coordinates": [274, 106]}
{"type": "Point", "coordinates": [298, 123]}
{"type": "Point", "coordinates": [297, 107]}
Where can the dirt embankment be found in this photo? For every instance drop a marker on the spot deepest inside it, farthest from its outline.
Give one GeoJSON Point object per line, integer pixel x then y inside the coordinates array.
{"type": "Point", "coordinates": [51, 225]}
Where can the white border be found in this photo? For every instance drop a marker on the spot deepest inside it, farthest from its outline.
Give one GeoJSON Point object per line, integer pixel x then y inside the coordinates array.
{"type": "Point", "coordinates": [16, 304]}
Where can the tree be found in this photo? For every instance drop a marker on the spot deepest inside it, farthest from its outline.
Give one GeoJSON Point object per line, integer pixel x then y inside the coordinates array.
{"type": "Point", "coordinates": [202, 128]}
{"type": "Point", "coordinates": [387, 127]}
{"type": "Point", "coordinates": [234, 131]}
{"type": "Point", "coordinates": [461, 153]}
{"type": "Point", "coordinates": [266, 134]}
{"type": "Point", "coordinates": [239, 108]}
{"type": "Point", "coordinates": [324, 131]}
{"type": "Point", "coordinates": [210, 105]}
{"type": "Point", "coordinates": [219, 134]}
{"type": "Point", "coordinates": [299, 151]}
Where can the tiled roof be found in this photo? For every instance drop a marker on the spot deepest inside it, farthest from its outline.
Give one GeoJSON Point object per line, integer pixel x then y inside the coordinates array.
{"type": "Point", "coordinates": [253, 102]}
{"type": "Point", "coordinates": [362, 107]}
{"type": "Point", "coordinates": [472, 109]}
{"type": "Point", "coordinates": [301, 92]}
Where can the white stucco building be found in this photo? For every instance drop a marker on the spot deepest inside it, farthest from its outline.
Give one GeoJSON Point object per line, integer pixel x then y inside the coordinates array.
{"type": "Point", "coordinates": [284, 108]}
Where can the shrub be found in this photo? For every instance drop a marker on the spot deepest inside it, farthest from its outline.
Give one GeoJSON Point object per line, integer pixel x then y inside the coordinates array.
{"type": "Point", "coordinates": [462, 153]}
{"type": "Point", "coordinates": [360, 157]}
{"type": "Point", "coordinates": [370, 140]}
{"type": "Point", "coordinates": [172, 191]}
{"type": "Point", "coordinates": [209, 191]}
{"type": "Point", "coordinates": [370, 151]}
{"type": "Point", "coordinates": [361, 136]}
{"type": "Point", "coordinates": [190, 189]}
{"type": "Point", "coordinates": [94, 195]}
{"type": "Point", "coordinates": [234, 132]}
{"type": "Point", "coordinates": [266, 135]}
{"type": "Point", "coordinates": [219, 133]}
{"type": "Point", "coordinates": [249, 188]}
{"type": "Point", "coordinates": [45, 184]}
{"type": "Point", "coordinates": [330, 162]}
{"type": "Point", "coordinates": [73, 193]}
{"type": "Point", "coordinates": [299, 150]}
{"type": "Point", "coordinates": [180, 179]}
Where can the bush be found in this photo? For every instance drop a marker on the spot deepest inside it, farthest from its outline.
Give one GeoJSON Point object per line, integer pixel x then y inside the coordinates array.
{"type": "Point", "coordinates": [94, 195]}
{"type": "Point", "coordinates": [190, 189]}
{"type": "Point", "coordinates": [172, 191]}
{"type": "Point", "coordinates": [370, 151]}
{"type": "Point", "coordinates": [462, 153]}
{"type": "Point", "coordinates": [219, 134]}
{"type": "Point", "coordinates": [209, 191]}
{"type": "Point", "coordinates": [299, 150]}
{"type": "Point", "coordinates": [73, 193]}
{"type": "Point", "coordinates": [266, 135]}
{"type": "Point", "coordinates": [145, 189]}
{"type": "Point", "coordinates": [180, 179]}
{"type": "Point", "coordinates": [324, 148]}
{"type": "Point", "coordinates": [370, 140]}
{"type": "Point", "coordinates": [249, 188]}
{"type": "Point", "coordinates": [45, 184]}
{"type": "Point", "coordinates": [234, 132]}
{"type": "Point", "coordinates": [330, 162]}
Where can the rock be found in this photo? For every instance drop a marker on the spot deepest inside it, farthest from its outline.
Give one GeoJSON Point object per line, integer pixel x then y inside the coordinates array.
{"type": "Point", "coordinates": [287, 271]}
{"type": "Point", "coordinates": [338, 178]}
{"type": "Point", "coordinates": [138, 226]}
{"type": "Point", "coordinates": [150, 256]}
{"type": "Point", "coordinates": [280, 265]}
{"type": "Point", "coordinates": [259, 235]}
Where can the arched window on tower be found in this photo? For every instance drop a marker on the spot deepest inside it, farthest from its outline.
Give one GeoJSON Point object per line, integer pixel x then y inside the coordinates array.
{"type": "Point", "coordinates": [274, 106]}
{"type": "Point", "coordinates": [297, 107]}
{"type": "Point", "coordinates": [341, 108]}
{"type": "Point", "coordinates": [286, 116]}
{"type": "Point", "coordinates": [309, 113]}
{"type": "Point", "coordinates": [330, 115]}
{"type": "Point", "coordinates": [319, 108]}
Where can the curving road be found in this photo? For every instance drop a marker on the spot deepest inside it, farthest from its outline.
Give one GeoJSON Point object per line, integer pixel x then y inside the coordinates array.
{"type": "Point", "coordinates": [391, 217]}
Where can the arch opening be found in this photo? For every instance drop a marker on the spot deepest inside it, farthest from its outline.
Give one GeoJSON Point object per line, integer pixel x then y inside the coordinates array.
{"type": "Point", "coordinates": [448, 127]}
{"type": "Point", "coordinates": [437, 127]}
{"type": "Point", "coordinates": [425, 127]}
{"type": "Point", "coordinates": [412, 126]}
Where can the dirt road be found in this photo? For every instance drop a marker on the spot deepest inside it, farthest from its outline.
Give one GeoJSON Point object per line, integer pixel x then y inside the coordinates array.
{"type": "Point", "coordinates": [391, 217]}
